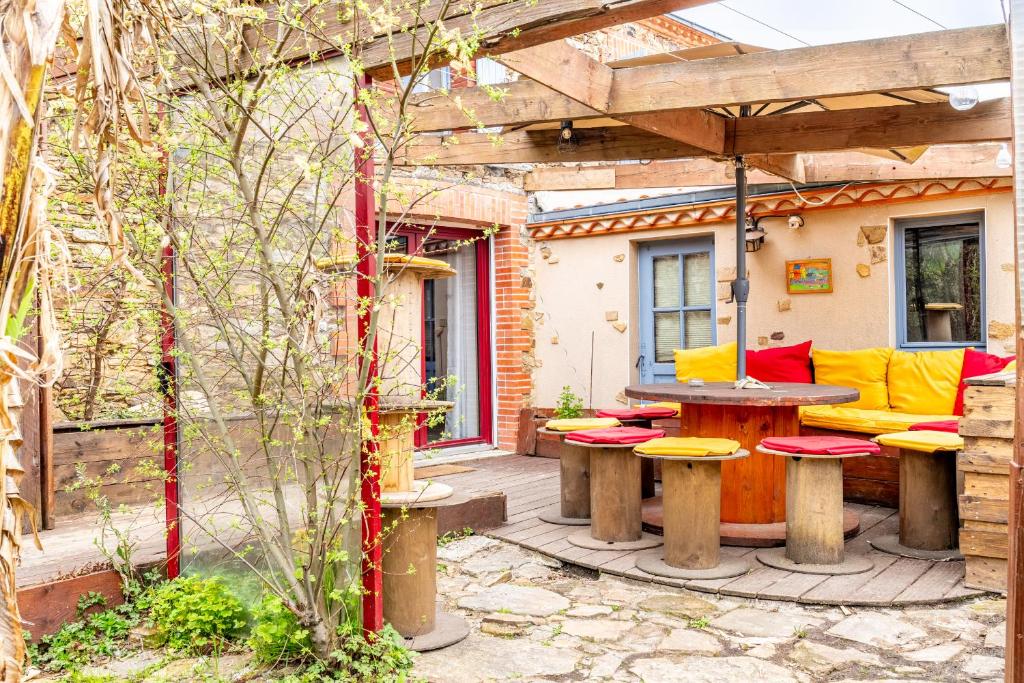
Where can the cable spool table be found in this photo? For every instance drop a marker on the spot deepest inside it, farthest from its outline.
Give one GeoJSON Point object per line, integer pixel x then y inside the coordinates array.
{"type": "Point", "coordinates": [753, 488]}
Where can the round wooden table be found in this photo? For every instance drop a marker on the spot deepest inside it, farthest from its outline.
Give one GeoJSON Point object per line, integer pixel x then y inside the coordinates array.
{"type": "Point", "coordinates": [754, 488]}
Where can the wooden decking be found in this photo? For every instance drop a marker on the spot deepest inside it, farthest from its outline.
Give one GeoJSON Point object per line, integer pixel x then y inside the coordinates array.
{"type": "Point", "coordinates": [531, 485]}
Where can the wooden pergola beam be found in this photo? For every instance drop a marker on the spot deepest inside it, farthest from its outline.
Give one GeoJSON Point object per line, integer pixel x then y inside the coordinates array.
{"type": "Point", "coordinates": [697, 127]}
{"type": "Point", "coordinates": [565, 70]}
{"type": "Point", "coordinates": [927, 60]}
{"type": "Point", "coordinates": [949, 161]}
{"type": "Point", "coordinates": [518, 24]}
{"type": "Point", "coordinates": [875, 127]}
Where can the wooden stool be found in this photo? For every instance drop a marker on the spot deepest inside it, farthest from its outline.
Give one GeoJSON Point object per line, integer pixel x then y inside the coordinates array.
{"type": "Point", "coordinates": [615, 522]}
{"type": "Point", "coordinates": [691, 488]}
{"type": "Point", "coordinates": [929, 519]}
{"type": "Point", "coordinates": [647, 489]}
{"type": "Point", "coordinates": [409, 569]}
{"type": "Point", "coordinates": [814, 516]}
{"type": "Point", "coordinates": [574, 485]}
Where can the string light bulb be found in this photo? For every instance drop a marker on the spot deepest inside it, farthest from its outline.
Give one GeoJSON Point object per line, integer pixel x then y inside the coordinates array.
{"type": "Point", "coordinates": [1004, 159]}
{"type": "Point", "coordinates": [963, 97]}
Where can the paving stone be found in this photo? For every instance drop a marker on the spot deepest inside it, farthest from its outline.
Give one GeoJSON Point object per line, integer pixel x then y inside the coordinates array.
{"type": "Point", "coordinates": [495, 578]}
{"type": "Point", "coordinates": [481, 658]}
{"type": "Point", "coordinates": [599, 630]}
{"type": "Point", "coordinates": [689, 640]}
{"type": "Point", "coordinates": [995, 607]}
{"type": "Point", "coordinates": [710, 670]}
{"type": "Point", "coordinates": [537, 602]}
{"type": "Point", "coordinates": [534, 571]}
{"type": "Point", "coordinates": [589, 611]}
{"type": "Point", "coordinates": [956, 622]}
{"type": "Point", "coordinates": [749, 621]}
{"type": "Point", "coordinates": [459, 550]}
{"type": "Point", "coordinates": [936, 653]}
{"type": "Point", "coordinates": [983, 666]}
{"type": "Point", "coordinates": [879, 629]}
{"type": "Point", "coordinates": [761, 651]}
{"type": "Point", "coordinates": [605, 666]}
{"type": "Point", "coordinates": [678, 605]}
{"type": "Point", "coordinates": [996, 636]}
{"type": "Point", "coordinates": [506, 625]}
{"type": "Point", "coordinates": [500, 560]}
{"type": "Point", "coordinates": [128, 667]}
{"type": "Point", "coordinates": [821, 660]}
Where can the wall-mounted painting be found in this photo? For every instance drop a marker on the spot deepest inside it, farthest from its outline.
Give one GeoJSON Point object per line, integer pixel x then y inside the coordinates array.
{"type": "Point", "coordinates": [809, 276]}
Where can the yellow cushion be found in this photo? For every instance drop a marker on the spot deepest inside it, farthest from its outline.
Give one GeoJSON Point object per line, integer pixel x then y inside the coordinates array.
{"type": "Point", "coordinates": [578, 423]}
{"type": "Point", "coordinates": [1011, 366]}
{"type": "Point", "coordinates": [864, 370]}
{"type": "Point", "coordinates": [863, 421]}
{"type": "Point", "coordinates": [711, 363]}
{"type": "Point", "coordinates": [688, 446]}
{"type": "Point", "coordinates": [924, 382]}
{"type": "Point", "coordinates": [666, 404]}
{"type": "Point", "coordinates": [928, 442]}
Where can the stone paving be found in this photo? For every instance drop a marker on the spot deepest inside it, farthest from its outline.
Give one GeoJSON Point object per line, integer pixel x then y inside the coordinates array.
{"type": "Point", "coordinates": [534, 620]}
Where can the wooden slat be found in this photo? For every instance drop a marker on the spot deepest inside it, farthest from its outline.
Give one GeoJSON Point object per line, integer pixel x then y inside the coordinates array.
{"type": "Point", "coordinates": [891, 581]}
{"type": "Point", "coordinates": [933, 585]}
{"type": "Point", "coordinates": [984, 543]}
{"type": "Point", "coordinates": [926, 60]}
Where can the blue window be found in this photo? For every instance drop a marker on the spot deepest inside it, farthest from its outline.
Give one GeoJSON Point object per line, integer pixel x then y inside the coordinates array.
{"type": "Point", "coordinates": [676, 303]}
{"type": "Point", "coordinates": [940, 283]}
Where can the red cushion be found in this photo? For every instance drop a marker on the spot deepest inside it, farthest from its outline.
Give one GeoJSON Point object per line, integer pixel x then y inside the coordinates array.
{"type": "Point", "coordinates": [615, 435]}
{"type": "Point", "coordinates": [820, 445]}
{"type": "Point", "coordinates": [781, 364]}
{"type": "Point", "coordinates": [952, 426]}
{"type": "Point", "coordinates": [976, 363]}
{"type": "Point", "coordinates": [638, 413]}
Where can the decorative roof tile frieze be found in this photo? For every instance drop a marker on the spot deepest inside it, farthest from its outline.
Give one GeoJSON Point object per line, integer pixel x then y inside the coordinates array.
{"type": "Point", "coordinates": [723, 210]}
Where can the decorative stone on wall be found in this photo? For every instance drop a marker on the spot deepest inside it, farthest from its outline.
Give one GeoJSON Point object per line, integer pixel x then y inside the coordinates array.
{"type": "Point", "coordinates": [784, 305]}
{"type": "Point", "coordinates": [864, 270]}
{"type": "Point", "coordinates": [1000, 330]}
{"type": "Point", "coordinates": [871, 234]}
{"type": "Point", "coordinates": [879, 254]}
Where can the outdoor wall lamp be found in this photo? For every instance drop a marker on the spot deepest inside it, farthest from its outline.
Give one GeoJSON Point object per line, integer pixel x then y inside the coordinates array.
{"type": "Point", "coordinates": [567, 139]}
{"type": "Point", "coordinates": [754, 234]}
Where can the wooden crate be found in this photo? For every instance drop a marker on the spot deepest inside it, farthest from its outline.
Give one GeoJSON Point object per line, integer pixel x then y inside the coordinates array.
{"type": "Point", "coordinates": [984, 469]}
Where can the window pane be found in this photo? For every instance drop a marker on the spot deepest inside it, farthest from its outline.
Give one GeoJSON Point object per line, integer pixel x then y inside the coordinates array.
{"type": "Point", "coordinates": [666, 336]}
{"type": "Point", "coordinates": [666, 282]}
{"type": "Point", "coordinates": [697, 271]}
{"type": "Point", "coordinates": [698, 329]}
{"type": "Point", "coordinates": [943, 287]}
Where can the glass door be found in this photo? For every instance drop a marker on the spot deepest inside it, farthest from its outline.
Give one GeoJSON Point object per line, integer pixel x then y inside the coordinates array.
{"type": "Point", "coordinates": [456, 336]}
{"type": "Point", "coordinates": [676, 304]}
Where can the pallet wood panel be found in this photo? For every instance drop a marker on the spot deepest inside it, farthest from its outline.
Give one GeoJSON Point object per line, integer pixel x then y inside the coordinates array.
{"type": "Point", "coordinates": [987, 427]}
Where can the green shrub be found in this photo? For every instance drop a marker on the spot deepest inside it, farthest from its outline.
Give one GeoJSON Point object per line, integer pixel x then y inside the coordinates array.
{"type": "Point", "coordinates": [381, 658]}
{"type": "Point", "coordinates": [276, 635]}
{"type": "Point", "coordinates": [77, 643]}
{"type": "Point", "coordinates": [570, 406]}
{"type": "Point", "coordinates": [193, 613]}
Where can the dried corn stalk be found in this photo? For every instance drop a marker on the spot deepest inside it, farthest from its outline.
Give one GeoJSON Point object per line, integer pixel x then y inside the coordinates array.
{"type": "Point", "coordinates": [106, 83]}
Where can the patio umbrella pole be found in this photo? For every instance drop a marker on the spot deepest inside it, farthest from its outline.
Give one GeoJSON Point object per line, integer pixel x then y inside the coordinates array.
{"type": "Point", "coordinates": [741, 286]}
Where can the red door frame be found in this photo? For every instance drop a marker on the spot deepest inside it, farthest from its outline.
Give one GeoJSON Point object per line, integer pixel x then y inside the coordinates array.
{"type": "Point", "coordinates": [416, 236]}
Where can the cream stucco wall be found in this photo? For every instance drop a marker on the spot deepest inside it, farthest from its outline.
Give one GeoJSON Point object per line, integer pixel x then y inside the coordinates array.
{"type": "Point", "coordinates": [583, 281]}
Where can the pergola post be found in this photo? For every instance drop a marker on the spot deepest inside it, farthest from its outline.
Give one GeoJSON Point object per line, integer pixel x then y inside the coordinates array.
{"type": "Point", "coordinates": [1015, 568]}
{"type": "Point", "coordinates": [369, 461]}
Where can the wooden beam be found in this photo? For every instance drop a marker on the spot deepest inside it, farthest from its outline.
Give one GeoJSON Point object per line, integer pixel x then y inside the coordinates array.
{"type": "Point", "coordinates": [677, 173]}
{"type": "Point", "coordinates": [875, 127]}
{"type": "Point", "coordinates": [541, 146]}
{"type": "Point", "coordinates": [927, 60]}
{"type": "Point", "coordinates": [788, 166]}
{"type": "Point", "coordinates": [518, 24]}
{"type": "Point", "coordinates": [697, 127]}
{"type": "Point", "coordinates": [940, 162]}
{"type": "Point", "coordinates": [565, 70]}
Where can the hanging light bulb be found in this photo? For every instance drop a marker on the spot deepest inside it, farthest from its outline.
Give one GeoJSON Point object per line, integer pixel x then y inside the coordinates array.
{"type": "Point", "coordinates": [963, 98]}
{"type": "Point", "coordinates": [1004, 159]}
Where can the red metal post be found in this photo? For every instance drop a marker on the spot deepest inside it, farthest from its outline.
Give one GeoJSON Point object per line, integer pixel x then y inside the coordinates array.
{"type": "Point", "coordinates": [169, 385]}
{"type": "Point", "coordinates": [369, 462]}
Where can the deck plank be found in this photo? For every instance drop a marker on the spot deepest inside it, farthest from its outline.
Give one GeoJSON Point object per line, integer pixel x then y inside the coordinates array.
{"type": "Point", "coordinates": [933, 585]}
